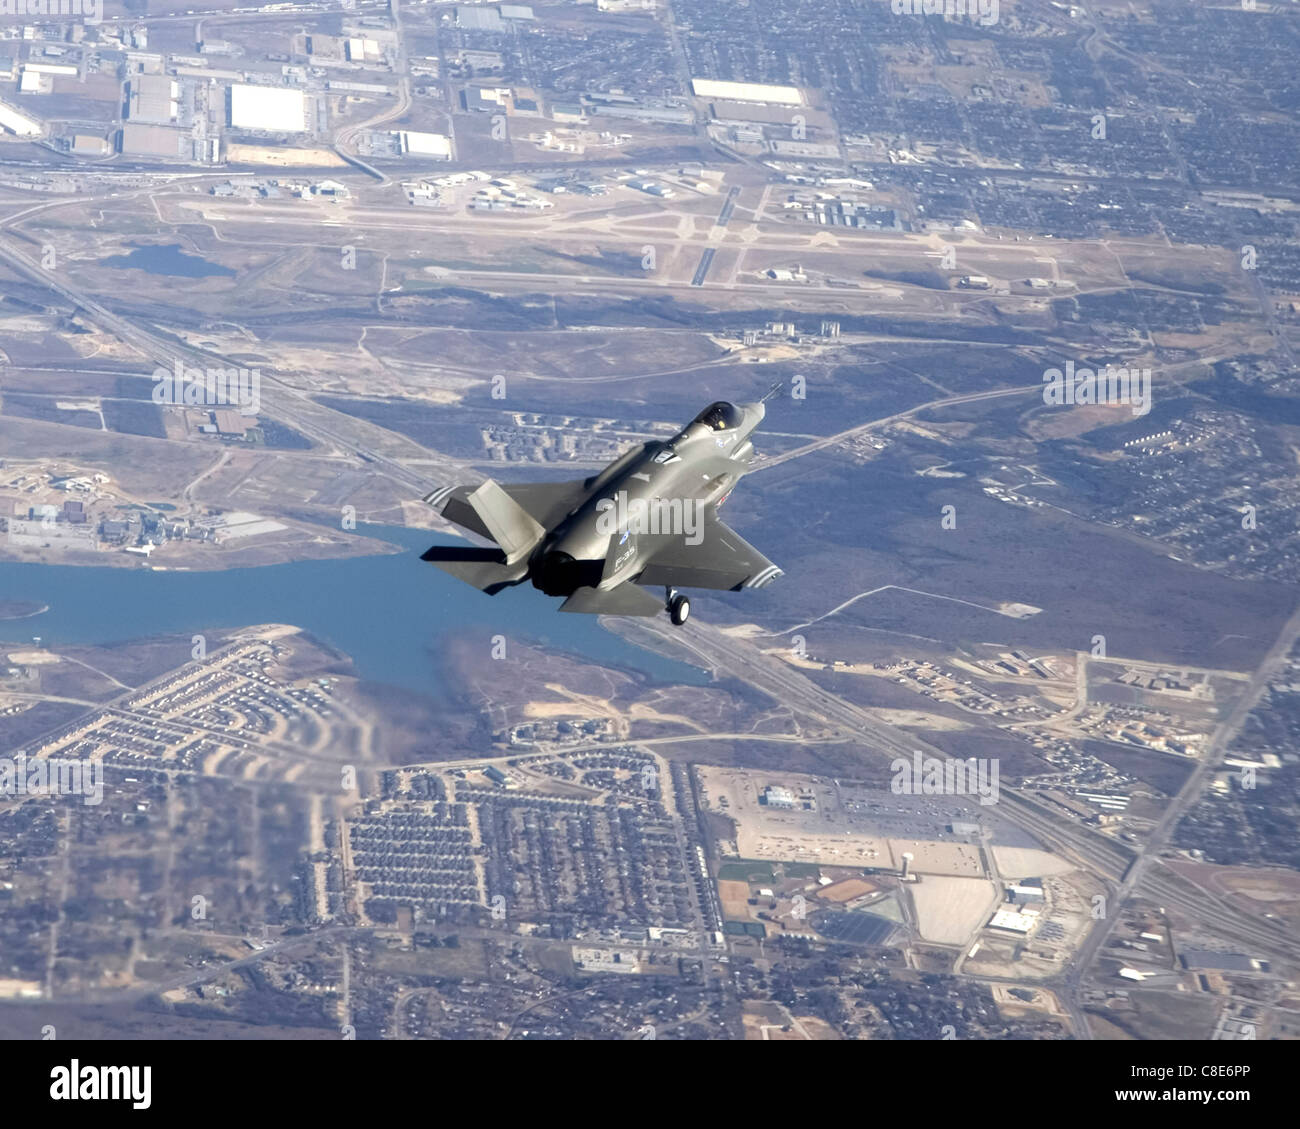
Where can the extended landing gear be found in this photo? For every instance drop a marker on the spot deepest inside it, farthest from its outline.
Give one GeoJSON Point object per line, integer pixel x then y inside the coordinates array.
{"type": "Point", "coordinates": [679, 608]}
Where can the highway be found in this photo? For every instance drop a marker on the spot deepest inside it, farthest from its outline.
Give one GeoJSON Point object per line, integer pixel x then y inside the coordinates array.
{"type": "Point", "coordinates": [287, 404]}
{"type": "Point", "coordinates": [1126, 872]}
{"type": "Point", "coordinates": [1161, 885]}
{"type": "Point", "coordinates": [1123, 870]}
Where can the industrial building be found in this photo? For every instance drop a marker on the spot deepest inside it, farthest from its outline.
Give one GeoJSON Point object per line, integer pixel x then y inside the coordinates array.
{"type": "Point", "coordinates": [359, 50]}
{"type": "Point", "coordinates": [414, 144]}
{"type": "Point", "coordinates": [88, 145]}
{"type": "Point", "coordinates": [747, 91]}
{"type": "Point", "coordinates": [1221, 962]}
{"type": "Point", "coordinates": [480, 19]}
{"type": "Point", "coordinates": [167, 142]}
{"type": "Point", "coordinates": [272, 109]}
{"type": "Point", "coordinates": [18, 123]}
{"type": "Point", "coordinates": [1025, 895]}
{"type": "Point", "coordinates": [231, 423]}
{"type": "Point", "coordinates": [38, 78]}
{"type": "Point", "coordinates": [153, 99]}
{"type": "Point", "coordinates": [1015, 921]}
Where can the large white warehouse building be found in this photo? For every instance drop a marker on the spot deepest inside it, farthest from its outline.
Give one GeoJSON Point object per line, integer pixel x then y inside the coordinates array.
{"type": "Point", "coordinates": [747, 92]}
{"type": "Point", "coordinates": [275, 109]}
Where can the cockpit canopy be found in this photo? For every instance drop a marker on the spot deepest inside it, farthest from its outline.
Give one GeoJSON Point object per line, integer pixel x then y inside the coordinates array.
{"type": "Point", "coordinates": [721, 416]}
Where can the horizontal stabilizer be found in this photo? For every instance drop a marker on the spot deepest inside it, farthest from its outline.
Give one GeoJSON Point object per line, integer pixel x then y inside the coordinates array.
{"type": "Point", "coordinates": [626, 599]}
{"type": "Point", "coordinates": [507, 522]}
{"type": "Point", "coordinates": [485, 569]}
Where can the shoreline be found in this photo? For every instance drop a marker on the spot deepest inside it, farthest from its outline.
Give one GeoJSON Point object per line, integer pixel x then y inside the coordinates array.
{"type": "Point", "coordinates": [253, 556]}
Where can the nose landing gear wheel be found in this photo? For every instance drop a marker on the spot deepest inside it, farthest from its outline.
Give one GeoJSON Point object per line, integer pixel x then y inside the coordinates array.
{"type": "Point", "coordinates": [679, 609]}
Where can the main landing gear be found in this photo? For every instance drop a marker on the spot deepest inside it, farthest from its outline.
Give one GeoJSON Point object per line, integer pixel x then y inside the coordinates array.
{"type": "Point", "coordinates": [679, 607]}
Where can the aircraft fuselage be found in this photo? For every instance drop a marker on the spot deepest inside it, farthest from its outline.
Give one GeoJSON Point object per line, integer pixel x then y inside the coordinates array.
{"type": "Point", "coordinates": [664, 487]}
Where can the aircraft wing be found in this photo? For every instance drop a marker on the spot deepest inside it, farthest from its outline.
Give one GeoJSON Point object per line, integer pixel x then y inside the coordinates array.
{"type": "Point", "coordinates": [547, 503]}
{"type": "Point", "coordinates": [723, 559]}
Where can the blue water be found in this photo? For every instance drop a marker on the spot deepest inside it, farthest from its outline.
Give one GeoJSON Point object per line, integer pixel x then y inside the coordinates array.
{"type": "Point", "coordinates": [386, 612]}
{"type": "Point", "coordinates": [168, 259]}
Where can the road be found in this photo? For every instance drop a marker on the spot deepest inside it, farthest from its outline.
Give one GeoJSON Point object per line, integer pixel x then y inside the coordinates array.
{"type": "Point", "coordinates": [282, 401]}
{"type": "Point", "coordinates": [885, 421]}
{"type": "Point", "coordinates": [1110, 861]}
{"type": "Point", "coordinates": [1156, 884]}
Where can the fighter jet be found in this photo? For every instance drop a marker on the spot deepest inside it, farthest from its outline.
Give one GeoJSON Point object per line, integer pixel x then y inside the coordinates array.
{"type": "Point", "coordinates": [648, 520]}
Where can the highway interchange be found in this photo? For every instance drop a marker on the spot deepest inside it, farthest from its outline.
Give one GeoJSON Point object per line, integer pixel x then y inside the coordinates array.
{"type": "Point", "coordinates": [1126, 872]}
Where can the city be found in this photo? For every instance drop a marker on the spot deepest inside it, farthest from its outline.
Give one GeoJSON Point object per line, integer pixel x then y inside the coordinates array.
{"type": "Point", "coordinates": [1008, 754]}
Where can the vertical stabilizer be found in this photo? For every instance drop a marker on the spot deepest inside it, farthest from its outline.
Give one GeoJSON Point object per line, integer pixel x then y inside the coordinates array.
{"type": "Point", "coordinates": [507, 522]}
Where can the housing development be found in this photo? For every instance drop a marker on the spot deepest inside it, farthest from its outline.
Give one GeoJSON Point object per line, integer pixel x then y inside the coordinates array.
{"type": "Point", "coordinates": [1006, 751]}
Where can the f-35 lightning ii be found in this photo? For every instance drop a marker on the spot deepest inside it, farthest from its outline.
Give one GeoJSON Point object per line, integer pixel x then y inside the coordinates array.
{"type": "Point", "coordinates": [648, 520]}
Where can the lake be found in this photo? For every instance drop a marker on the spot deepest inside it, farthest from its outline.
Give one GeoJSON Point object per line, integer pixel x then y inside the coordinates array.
{"type": "Point", "coordinates": [167, 259]}
{"type": "Point", "coordinates": [386, 612]}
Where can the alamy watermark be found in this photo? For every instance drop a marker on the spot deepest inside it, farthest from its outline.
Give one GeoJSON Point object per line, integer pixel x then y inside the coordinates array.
{"type": "Point", "coordinates": [1111, 385]}
{"type": "Point", "coordinates": [88, 11]}
{"type": "Point", "coordinates": [683, 517]}
{"type": "Point", "coordinates": [75, 1082]}
{"type": "Point", "coordinates": [938, 776]}
{"type": "Point", "coordinates": [986, 12]}
{"type": "Point", "coordinates": [239, 388]}
{"type": "Point", "coordinates": [52, 776]}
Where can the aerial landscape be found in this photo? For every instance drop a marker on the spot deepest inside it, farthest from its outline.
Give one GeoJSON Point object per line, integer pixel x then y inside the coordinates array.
{"type": "Point", "coordinates": [905, 393]}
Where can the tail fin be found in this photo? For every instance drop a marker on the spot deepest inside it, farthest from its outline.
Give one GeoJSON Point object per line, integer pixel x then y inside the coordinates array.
{"type": "Point", "coordinates": [507, 522]}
